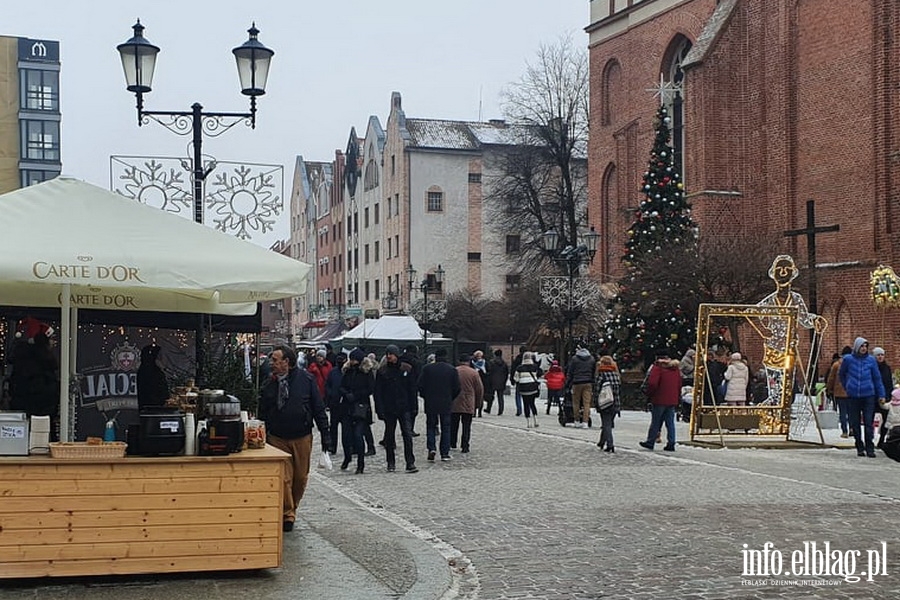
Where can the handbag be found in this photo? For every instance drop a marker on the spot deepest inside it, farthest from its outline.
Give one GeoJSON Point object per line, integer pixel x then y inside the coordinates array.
{"type": "Point", "coordinates": [606, 397]}
{"type": "Point", "coordinates": [359, 411]}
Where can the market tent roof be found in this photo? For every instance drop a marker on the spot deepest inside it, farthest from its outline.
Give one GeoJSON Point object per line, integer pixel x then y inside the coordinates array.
{"type": "Point", "coordinates": [116, 253]}
{"type": "Point", "coordinates": [68, 244]}
{"type": "Point", "coordinates": [389, 327]}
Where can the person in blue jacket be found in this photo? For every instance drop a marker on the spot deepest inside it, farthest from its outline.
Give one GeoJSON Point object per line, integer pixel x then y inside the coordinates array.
{"type": "Point", "coordinates": [861, 378]}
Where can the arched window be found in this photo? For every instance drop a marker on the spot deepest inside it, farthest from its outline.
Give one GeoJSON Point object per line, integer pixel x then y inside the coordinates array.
{"type": "Point", "coordinates": [671, 69]}
{"type": "Point", "coordinates": [608, 204]}
{"type": "Point", "coordinates": [610, 87]}
{"type": "Point", "coordinates": [370, 178]}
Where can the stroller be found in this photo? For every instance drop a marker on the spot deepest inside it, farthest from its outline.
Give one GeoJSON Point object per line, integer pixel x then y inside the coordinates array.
{"type": "Point", "coordinates": [566, 414]}
{"type": "Point", "coordinates": [891, 444]}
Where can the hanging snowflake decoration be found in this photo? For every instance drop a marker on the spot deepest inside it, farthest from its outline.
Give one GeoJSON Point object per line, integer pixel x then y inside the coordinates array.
{"type": "Point", "coordinates": [246, 200]}
{"type": "Point", "coordinates": [437, 310]}
{"type": "Point", "coordinates": [153, 183]}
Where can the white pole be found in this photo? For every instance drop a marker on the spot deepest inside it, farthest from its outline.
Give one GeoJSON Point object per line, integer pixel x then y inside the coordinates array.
{"type": "Point", "coordinates": [64, 371]}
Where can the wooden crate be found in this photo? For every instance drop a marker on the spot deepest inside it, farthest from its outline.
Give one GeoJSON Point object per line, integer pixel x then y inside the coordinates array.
{"type": "Point", "coordinates": [140, 515]}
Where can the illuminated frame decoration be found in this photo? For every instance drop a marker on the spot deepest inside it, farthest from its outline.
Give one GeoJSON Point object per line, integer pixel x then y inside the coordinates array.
{"type": "Point", "coordinates": [711, 422]}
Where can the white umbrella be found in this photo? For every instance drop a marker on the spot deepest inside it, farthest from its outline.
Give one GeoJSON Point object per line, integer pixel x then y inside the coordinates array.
{"type": "Point", "coordinates": [69, 244]}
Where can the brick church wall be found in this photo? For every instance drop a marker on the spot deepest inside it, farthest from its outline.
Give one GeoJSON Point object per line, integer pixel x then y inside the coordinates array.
{"type": "Point", "coordinates": [793, 101]}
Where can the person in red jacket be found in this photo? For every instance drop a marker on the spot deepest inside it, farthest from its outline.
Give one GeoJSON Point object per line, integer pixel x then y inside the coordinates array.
{"type": "Point", "coordinates": [556, 380]}
{"type": "Point", "coordinates": [319, 369]}
{"type": "Point", "coordinates": [664, 390]}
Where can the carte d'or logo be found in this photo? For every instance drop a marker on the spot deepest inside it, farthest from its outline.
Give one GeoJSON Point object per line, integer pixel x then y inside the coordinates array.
{"type": "Point", "coordinates": [95, 273]}
{"type": "Point", "coordinates": [124, 357]}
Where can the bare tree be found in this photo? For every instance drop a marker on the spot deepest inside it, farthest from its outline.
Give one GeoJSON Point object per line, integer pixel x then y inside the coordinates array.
{"type": "Point", "coordinates": [720, 270]}
{"type": "Point", "coordinates": [543, 171]}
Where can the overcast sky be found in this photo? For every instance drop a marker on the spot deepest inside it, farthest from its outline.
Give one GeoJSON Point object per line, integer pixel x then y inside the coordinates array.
{"type": "Point", "coordinates": [336, 62]}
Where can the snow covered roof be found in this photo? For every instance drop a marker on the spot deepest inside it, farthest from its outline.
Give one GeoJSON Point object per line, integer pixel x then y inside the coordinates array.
{"type": "Point", "coordinates": [461, 135]}
{"type": "Point", "coordinates": [436, 133]}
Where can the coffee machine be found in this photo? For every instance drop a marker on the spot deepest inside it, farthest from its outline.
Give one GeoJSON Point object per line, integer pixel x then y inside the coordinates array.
{"type": "Point", "coordinates": [223, 418]}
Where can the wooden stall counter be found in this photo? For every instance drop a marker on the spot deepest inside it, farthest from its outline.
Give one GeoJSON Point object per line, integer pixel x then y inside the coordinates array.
{"type": "Point", "coordinates": [69, 517]}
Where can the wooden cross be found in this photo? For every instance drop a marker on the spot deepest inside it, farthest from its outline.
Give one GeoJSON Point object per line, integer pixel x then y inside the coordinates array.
{"type": "Point", "coordinates": [810, 232]}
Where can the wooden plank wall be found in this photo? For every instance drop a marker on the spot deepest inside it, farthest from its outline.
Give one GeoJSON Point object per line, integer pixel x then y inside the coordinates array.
{"type": "Point", "coordinates": [139, 516]}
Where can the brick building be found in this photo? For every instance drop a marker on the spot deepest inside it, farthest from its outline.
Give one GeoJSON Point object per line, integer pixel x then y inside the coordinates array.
{"type": "Point", "coordinates": [780, 103]}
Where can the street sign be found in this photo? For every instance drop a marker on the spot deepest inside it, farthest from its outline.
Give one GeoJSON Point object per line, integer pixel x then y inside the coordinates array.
{"type": "Point", "coordinates": [354, 310]}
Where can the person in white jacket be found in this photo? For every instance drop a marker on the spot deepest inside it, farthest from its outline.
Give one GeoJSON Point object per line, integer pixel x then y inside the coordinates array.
{"type": "Point", "coordinates": [737, 378]}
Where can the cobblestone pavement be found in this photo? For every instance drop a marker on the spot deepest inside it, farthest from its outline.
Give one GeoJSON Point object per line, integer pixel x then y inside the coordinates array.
{"type": "Point", "coordinates": [545, 514]}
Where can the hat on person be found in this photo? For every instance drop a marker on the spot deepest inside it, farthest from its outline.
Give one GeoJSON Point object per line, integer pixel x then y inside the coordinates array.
{"type": "Point", "coordinates": [895, 397]}
{"type": "Point", "coordinates": [440, 352]}
{"type": "Point", "coordinates": [662, 354]}
{"type": "Point", "coordinates": [357, 355]}
{"type": "Point", "coordinates": [736, 356]}
{"type": "Point", "coordinates": [878, 351]}
{"type": "Point", "coordinates": [321, 353]}
{"type": "Point", "coordinates": [392, 349]}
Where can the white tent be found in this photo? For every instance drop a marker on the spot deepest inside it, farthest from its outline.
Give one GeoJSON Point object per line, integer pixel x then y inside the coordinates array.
{"type": "Point", "coordinates": [389, 329]}
{"type": "Point", "coordinates": [69, 244]}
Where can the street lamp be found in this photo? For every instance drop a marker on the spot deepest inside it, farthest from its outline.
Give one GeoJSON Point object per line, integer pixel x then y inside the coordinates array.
{"type": "Point", "coordinates": [571, 257]}
{"type": "Point", "coordinates": [426, 287]}
{"type": "Point", "coordinates": [139, 61]}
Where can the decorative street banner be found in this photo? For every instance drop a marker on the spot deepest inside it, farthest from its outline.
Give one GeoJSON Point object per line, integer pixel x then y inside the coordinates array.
{"type": "Point", "coordinates": [108, 361]}
{"type": "Point", "coordinates": [242, 199]}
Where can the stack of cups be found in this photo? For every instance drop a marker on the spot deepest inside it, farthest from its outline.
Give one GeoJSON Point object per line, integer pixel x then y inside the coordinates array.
{"type": "Point", "coordinates": [190, 435]}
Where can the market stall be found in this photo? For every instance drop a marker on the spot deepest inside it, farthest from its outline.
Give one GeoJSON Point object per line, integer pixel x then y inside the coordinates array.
{"type": "Point", "coordinates": [70, 245]}
{"type": "Point", "coordinates": [65, 517]}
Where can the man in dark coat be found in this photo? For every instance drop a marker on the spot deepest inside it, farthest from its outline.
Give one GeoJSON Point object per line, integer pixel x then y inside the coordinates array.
{"type": "Point", "coordinates": [289, 403]}
{"type": "Point", "coordinates": [498, 373]}
{"type": "Point", "coordinates": [439, 385]}
{"type": "Point", "coordinates": [580, 374]}
{"type": "Point", "coordinates": [395, 395]}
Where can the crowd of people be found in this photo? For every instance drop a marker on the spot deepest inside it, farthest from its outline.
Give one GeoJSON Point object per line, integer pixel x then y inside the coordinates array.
{"type": "Point", "coordinates": [345, 392]}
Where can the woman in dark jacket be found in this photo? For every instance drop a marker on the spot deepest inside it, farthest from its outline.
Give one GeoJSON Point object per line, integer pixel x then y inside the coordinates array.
{"type": "Point", "coordinates": [333, 398]}
{"type": "Point", "coordinates": [357, 387]}
{"type": "Point", "coordinates": [887, 380]}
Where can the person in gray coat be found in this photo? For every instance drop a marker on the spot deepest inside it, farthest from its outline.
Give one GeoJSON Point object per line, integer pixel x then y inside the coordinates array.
{"type": "Point", "coordinates": [438, 385]}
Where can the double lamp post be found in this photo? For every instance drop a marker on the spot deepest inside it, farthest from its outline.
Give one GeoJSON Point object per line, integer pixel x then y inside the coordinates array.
{"type": "Point", "coordinates": [429, 285]}
{"type": "Point", "coordinates": [561, 292]}
{"type": "Point", "coordinates": [139, 61]}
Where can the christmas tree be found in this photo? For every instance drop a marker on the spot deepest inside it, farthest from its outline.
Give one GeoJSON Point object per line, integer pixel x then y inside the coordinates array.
{"type": "Point", "coordinates": [649, 313]}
